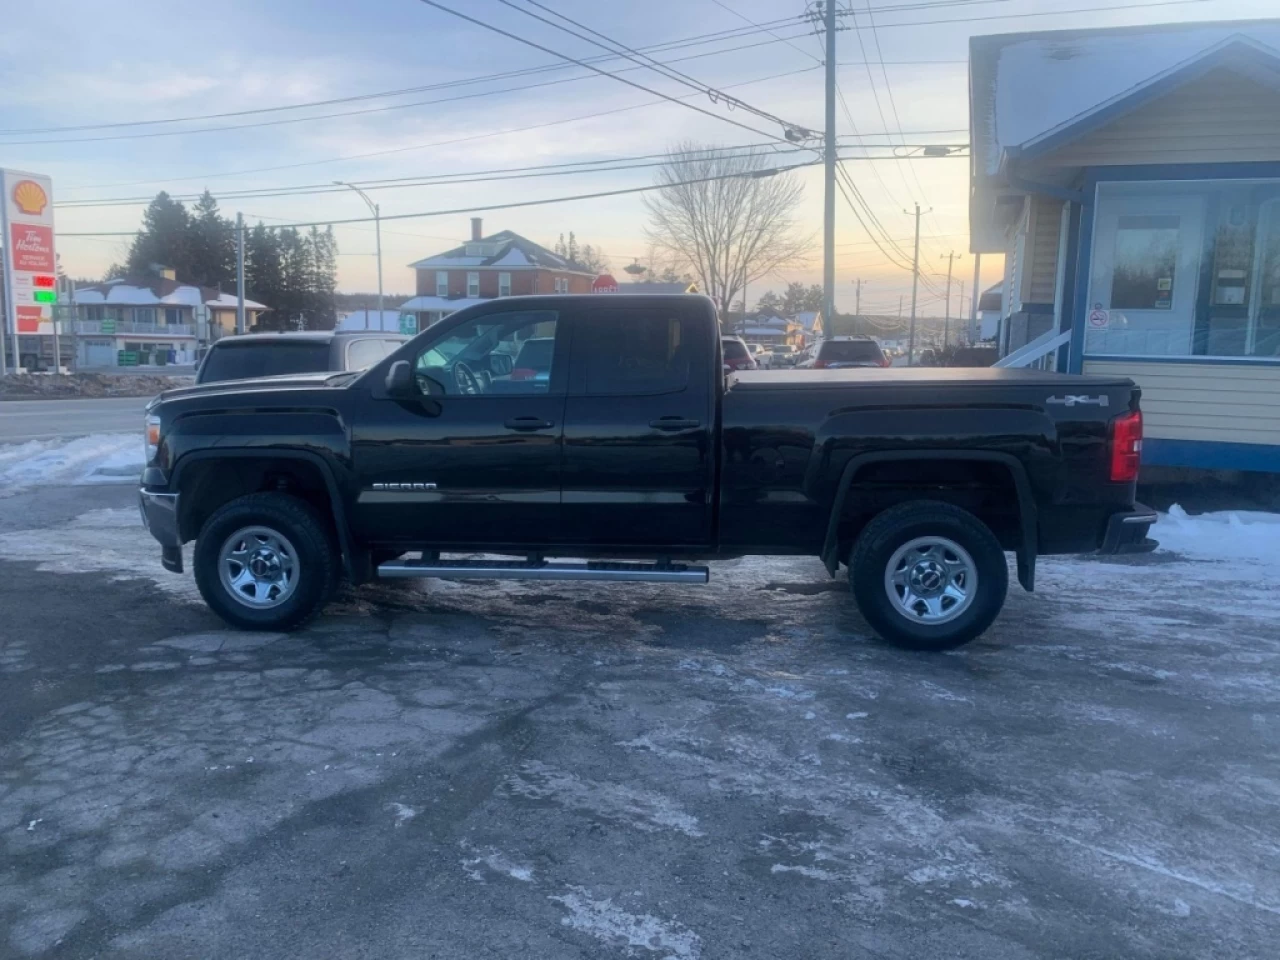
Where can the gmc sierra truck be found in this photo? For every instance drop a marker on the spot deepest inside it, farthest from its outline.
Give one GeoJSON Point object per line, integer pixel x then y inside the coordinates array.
{"type": "Point", "coordinates": [601, 438]}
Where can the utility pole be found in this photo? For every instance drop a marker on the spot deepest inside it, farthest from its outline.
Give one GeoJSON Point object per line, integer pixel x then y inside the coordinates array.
{"type": "Point", "coordinates": [960, 309]}
{"type": "Point", "coordinates": [915, 290]}
{"type": "Point", "coordinates": [857, 308]}
{"type": "Point", "coordinates": [240, 273]}
{"type": "Point", "coordinates": [973, 307]}
{"type": "Point", "coordinates": [829, 198]}
{"type": "Point", "coordinates": [946, 317]}
{"type": "Point", "coordinates": [377, 229]}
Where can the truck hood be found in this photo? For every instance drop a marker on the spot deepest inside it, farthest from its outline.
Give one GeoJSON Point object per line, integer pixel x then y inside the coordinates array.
{"type": "Point", "coordinates": [293, 381]}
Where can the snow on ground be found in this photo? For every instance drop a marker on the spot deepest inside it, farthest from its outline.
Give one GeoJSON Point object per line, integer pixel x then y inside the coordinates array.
{"type": "Point", "coordinates": [1227, 536]}
{"type": "Point", "coordinates": [99, 458]}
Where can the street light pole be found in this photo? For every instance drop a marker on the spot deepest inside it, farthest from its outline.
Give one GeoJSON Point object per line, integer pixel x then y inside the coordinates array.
{"type": "Point", "coordinates": [376, 210]}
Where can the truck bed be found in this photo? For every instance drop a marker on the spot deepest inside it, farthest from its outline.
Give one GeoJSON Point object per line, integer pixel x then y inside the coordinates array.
{"type": "Point", "coordinates": [753, 380]}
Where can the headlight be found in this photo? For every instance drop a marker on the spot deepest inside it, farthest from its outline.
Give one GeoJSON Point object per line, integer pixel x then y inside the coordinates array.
{"type": "Point", "coordinates": [152, 438]}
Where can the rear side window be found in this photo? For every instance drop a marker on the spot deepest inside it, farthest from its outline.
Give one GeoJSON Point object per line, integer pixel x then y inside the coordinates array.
{"type": "Point", "coordinates": [850, 351]}
{"type": "Point", "coordinates": [733, 350]}
{"type": "Point", "coordinates": [263, 358]}
{"type": "Point", "coordinates": [363, 354]}
{"type": "Point", "coordinates": [633, 353]}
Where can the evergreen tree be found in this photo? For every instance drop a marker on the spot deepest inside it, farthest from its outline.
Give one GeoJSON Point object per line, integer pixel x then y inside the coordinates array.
{"type": "Point", "coordinates": [770, 304]}
{"type": "Point", "coordinates": [211, 246]}
{"type": "Point", "coordinates": [163, 239]}
{"type": "Point", "coordinates": [264, 281]}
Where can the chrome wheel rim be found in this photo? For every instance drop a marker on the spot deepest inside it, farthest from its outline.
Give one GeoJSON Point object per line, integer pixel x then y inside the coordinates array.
{"type": "Point", "coordinates": [258, 567]}
{"type": "Point", "coordinates": [931, 580]}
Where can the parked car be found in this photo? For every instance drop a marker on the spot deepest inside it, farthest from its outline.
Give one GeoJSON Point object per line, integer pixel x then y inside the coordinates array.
{"type": "Point", "coordinates": [852, 352]}
{"type": "Point", "coordinates": [917, 481]}
{"type": "Point", "coordinates": [736, 354]}
{"type": "Point", "coordinates": [253, 355]}
{"type": "Point", "coordinates": [784, 355]}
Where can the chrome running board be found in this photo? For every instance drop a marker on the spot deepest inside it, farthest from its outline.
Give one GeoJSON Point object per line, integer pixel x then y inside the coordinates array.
{"type": "Point", "coordinates": [544, 570]}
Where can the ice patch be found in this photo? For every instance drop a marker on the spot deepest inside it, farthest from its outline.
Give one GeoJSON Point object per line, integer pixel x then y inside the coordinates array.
{"type": "Point", "coordinates": [403, 813]}
{"type": "Point", "coordinates": [609, 923]}
{"type": "Point", "coordinates": [813, 873]}
{"type": "Point", "coordinates": [641, 809]}
{"type": "Point", "coordinates": [100, 458]}
{"type": "Point", "coordinates": [498, 863]}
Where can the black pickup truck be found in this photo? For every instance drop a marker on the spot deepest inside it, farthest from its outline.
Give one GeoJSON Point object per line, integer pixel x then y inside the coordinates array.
{"type": "Point", "coordinates": [604, 428]}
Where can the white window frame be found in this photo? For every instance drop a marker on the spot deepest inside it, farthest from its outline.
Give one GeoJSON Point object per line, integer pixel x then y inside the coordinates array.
{"type": "Point", "coordinates": [504, 284]}
{"type": "Point", "coordinates": [473, 284]}
{"type": "Point", "coordinates": [442, 283]}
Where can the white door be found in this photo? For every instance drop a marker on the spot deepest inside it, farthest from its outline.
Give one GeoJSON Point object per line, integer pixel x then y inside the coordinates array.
{"type": "Point", "coordinates": [1146, 272]}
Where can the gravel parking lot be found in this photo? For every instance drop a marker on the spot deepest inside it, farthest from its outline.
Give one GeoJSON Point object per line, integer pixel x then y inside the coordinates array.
{"type": "Point", "coordinates": [571, 771]}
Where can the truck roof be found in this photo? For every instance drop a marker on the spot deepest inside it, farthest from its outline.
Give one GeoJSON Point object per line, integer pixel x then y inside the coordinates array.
{"type": "Point", "coordinates": [873, 376]}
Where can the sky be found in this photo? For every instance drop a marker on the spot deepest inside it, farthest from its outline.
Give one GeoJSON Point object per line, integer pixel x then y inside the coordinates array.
{"type": "Point", "coordinates": [81, 62]}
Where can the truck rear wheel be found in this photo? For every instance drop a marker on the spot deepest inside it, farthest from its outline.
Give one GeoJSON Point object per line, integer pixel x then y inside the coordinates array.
{"type": "Point", "coordinates": [266, 561]}
{"type": "Point", "coordinates": [928, 575]}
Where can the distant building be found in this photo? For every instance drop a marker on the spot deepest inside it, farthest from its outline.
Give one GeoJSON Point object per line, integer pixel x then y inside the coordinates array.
{"type": "Point", "coordinates": [990, 310]}
{"type": "Point", "coordinates": [152, 320]}
{"type": "Point", "coordinates": [811, 323]}
{"type": "Point", "coordinates": [659, 286]}
{"type": "Point", "coordinates": [503, 264]}
{"type": "Point", "coordinates": [771, 330]}
{"type": "Point", "coordinates": [389, 321]}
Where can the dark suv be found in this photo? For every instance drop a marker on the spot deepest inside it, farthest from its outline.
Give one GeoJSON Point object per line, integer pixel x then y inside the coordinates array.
{"type": "Point", "coordinates": [837, 354]}
{"type": "Point", "coordinates": [254, 355]}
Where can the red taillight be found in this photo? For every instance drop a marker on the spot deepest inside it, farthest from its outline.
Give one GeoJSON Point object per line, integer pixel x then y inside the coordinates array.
{"type": "Point", "coordinates": [523, 373]}
{"type": "Point", "coordinates": [819, 364]}
{"type": "Point", "coordinates": [1126, 447]}
{"type": "Point", "coordinates": [886, 362]}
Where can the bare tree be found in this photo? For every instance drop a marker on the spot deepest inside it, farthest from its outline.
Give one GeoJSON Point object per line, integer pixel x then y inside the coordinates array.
{"type": "Point", "coordinates": [724, 217]}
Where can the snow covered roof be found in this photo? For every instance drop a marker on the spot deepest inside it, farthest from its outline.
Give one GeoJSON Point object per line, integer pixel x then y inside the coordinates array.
{"type": "Point", "coordinates": [158, 291]}
{"type": "Point", "coordinates": [418, 304]}
{"type": "Point", "coordinates": [658, 286]}
{"type": "Point", "coordinates": [510, 251]}
{"type": "Point", "coordinates": [770, 331]}
{"type": "Point", "coordinates": [808, 319]}
{"type": "Point", "coordinates": [387, 320]}
{"type": "Point", "coordinates": [1032, 92]}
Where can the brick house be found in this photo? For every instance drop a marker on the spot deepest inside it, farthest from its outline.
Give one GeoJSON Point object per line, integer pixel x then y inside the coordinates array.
{"type": "Point", "coordinates": [503, 264]}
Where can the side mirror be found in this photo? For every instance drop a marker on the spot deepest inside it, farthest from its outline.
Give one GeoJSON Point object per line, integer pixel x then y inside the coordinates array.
{"type": "Point", "coordinates": [400, 380]}
{"type": "Point", "coordinates": [728, 369]}
{"type": "Point", "coordinates": [501, 364]}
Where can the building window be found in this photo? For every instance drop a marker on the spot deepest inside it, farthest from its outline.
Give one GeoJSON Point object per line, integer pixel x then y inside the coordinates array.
{"type": "Point", "coordinates": [144, 315]}
{"type": "Point", "coordinates": [473, 285]}
{"type": "Point", "coordinates": [562, 285]}
{"type": "Point", "coordinates": [172, 316]}
{"type": "Point", "coordinates": [504, 284]}
{"type": "Point", "coordinates": [442, 283]}
{"type": "Point", "coordinates": [1185, 268]}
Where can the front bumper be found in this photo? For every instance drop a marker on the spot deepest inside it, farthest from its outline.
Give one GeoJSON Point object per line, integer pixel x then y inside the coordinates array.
{"type": "Point", "coordinates": [160, 517]}
{"type": "Point", "coordinates": [1127, 531]}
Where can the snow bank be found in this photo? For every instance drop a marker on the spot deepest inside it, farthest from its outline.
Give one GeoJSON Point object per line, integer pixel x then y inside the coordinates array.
{"type": "Point", "coordinates": [1227, 535]}
{"type": "Point", "coordinates": [100, 458]}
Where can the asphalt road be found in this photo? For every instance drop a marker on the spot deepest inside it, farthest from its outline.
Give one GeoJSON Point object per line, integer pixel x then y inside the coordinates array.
{"type": "Point", "coordinates": [22, 420]}
{"type": "Point", "coordinates": [476, 770]}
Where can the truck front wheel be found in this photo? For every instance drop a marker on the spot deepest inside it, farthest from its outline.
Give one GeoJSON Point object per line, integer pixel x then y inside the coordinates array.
{"type": "Point", "coordinates": [928, 575]}
{"type": "Point", "coordinates": [266, 561]}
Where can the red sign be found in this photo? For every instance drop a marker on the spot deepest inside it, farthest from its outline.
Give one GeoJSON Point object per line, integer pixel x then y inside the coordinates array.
{"type": "Point", "coordinates": [32, 247]}
{"type": "Point", "coordinates": [29, 319]}
{"type": "Point", "coordinates": [604, 284]}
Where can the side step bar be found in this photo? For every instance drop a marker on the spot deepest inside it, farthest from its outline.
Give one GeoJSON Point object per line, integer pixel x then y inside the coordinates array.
{"type": "Point", "coordinates": [544, 570]}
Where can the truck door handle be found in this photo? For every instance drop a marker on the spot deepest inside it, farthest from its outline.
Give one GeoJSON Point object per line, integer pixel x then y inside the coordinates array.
{"type": "Point", "coordinates": [528, 423]}
{"type": "Point", "coordinates": [674, 423]}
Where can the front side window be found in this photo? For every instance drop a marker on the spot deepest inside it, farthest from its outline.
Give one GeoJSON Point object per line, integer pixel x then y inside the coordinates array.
{"type": "Point", "coordinates": [509, 354]}
{"type": "Point", "coordinates": [473, 285]}
{"type": "Point", "coordinates": [633, 353]}
{"type": "Point", "coordinates": [504, 284]}
{"type": "Point", "coordinates": [442, 283]}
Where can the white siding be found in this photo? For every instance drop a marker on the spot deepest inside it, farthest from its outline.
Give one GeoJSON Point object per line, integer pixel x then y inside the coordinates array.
{"type": "Point", "coordinates": [1227, 403]}
{"type": "Point", "coordinates": [1223, 117]}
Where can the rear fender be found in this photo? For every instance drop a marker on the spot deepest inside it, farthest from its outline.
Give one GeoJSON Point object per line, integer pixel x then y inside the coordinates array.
{"type": "Point", "coordinates": [1027, 513]}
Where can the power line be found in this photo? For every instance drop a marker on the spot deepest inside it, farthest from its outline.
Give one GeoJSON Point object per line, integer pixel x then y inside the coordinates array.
{"type": "Point", "coordinates": [697, 40]}
{"type": "Point", "coordinates": [423, 146]}
{"type": "Point", "coordinates": [724, 6]}
{"type": "Point", "coordinates": [631, 54]}
{"type": "Point", "coordinates": [1043, 13]}
{"type": "Point", "coordinates": [582, 63]}
{"type": "Point", "coordinates": [772, 171]}
{"type": "Point", "coordinates": [386, 108]}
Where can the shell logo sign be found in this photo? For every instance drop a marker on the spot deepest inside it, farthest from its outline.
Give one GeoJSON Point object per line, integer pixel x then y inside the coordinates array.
{"type": "Point", "coordinates": [30, 198]}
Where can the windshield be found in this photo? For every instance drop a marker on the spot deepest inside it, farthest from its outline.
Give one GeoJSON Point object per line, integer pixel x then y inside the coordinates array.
{"type": "Point", "coordinates": [263, 358]}
{"type": "Point", "coordinates": [850, 351]}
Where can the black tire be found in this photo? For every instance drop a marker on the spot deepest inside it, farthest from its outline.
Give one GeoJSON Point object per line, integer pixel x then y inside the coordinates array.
{"type": "Point", "coordinates": [318, 565]}
{"type": "Point", "coordinates": [901, 525]}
